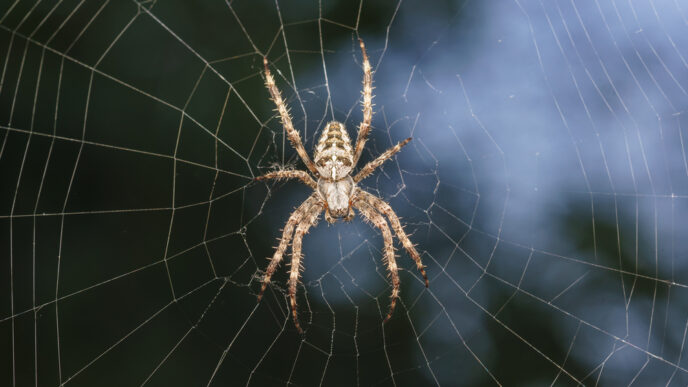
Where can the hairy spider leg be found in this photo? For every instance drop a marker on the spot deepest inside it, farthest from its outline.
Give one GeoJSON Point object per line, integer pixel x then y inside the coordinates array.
{"type": "Point", "coordinates": [373, 216]}
{"type": "Point", "coordinates": [295, 218]}
{"type": "Point", "coordinates": [386, 155]}
{"type": "Point", "coordinates": [309, 221]}
{"type": "Point", "coordinates": [292, 134]}
{"type": "Point", "coordinates": [364, 128]}
{"type": "Point", "coordinates": [303, 176]}
{"type": "Point", "coordinates": [387, 210]}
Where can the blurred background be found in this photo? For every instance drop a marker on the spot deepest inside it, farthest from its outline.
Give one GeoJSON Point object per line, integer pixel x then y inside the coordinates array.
{"type": "Point", "coordinates": [546, 188]}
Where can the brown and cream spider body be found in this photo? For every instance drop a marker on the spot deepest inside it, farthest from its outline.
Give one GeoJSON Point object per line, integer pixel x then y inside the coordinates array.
{"type": "Point", "coordinates": [334, 162]}
{"type": "Point", "coordinates": [336, 191]}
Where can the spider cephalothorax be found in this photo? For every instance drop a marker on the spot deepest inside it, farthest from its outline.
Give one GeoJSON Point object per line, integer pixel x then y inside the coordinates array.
{"type": "Point", "coordinates": [336, 191]}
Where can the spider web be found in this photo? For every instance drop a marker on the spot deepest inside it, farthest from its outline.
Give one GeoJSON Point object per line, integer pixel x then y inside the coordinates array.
{"type": "Point", "coordinates": [546, 188]}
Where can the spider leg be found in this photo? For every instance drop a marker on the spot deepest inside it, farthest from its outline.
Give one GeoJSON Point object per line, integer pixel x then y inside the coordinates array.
{"type": "Point", "coordinates": [306, 223]}
{"type": "Point", "coordinates": [290, 174]}
{"type": "Point", "coordinates": [371, 166]}
{"type": "Point", "coordinates": [386, 209]}
{"type": "Point", "coordinates": [364, 128]}
{"type": "Point", "coordinates": [295, 218]}
{"type": "Point", "coordinates": [372, 215]}
{"type": "Point", "coordinates": [292, 134]}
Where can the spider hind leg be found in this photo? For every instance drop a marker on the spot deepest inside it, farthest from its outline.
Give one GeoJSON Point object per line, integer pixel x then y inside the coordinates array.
{"type": "Point", "coordinates": [364, 128]}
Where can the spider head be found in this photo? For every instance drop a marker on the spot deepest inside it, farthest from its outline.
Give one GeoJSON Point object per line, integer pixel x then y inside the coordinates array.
{"type": "Point", "coordinates": [337, 198]}
{"type": "Point", "coordinates": [334, 154]}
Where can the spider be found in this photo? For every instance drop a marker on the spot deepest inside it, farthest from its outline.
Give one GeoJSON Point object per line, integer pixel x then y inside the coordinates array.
{"type": "Point", "coordinates": [336, 191]}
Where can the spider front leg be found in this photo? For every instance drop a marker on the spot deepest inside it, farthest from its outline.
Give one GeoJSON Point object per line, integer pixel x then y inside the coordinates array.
{"type": "Point", "coordinates": [385, 208]}
{"type": "Point", "coordinates": [371, 166]}
{"type": "Point", "coordinates": [303, 176]}
{"type": "Point", "coordinates": [378, 221]}
{"type": "Point", "coordinates": [295, 272]}
{"type": "Point", "coordinates": [295, 218]}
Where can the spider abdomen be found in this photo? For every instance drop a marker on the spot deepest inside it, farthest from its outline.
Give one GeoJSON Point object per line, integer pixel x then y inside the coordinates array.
{"type": "Point", "coordinates": [334, 154]}
{"type": "Point", "coordinates": [336, 194]}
